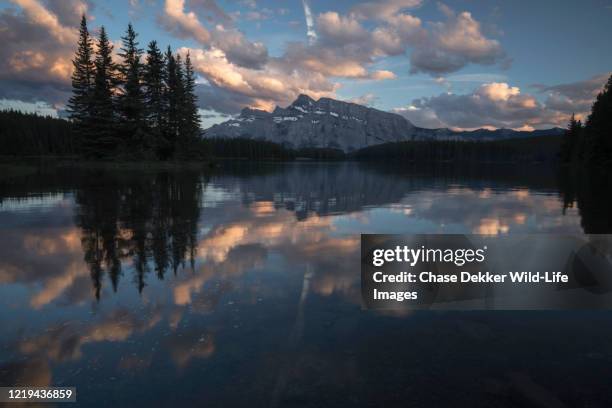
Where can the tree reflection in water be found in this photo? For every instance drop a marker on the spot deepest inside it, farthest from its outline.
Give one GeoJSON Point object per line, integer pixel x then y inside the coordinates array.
{"type": "Point", "coordinates": [591, 192]}
{"type": "Point", "coordinates": [138, 217]}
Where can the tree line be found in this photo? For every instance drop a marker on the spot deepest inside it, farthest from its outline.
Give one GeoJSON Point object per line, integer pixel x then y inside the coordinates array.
{"type": "Point", "coordinates": [143, 107]}
{"type": "Point", "coordinates": [27, 134]}
{"type": "Point", "coordinates": [591, 143]}
{"type": "Point", "coordinates": [530, 149]}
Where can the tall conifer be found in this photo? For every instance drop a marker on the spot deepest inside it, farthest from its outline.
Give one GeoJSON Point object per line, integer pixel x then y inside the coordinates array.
{"type": "Point", "coordinates": [571, 143]}
{"type": "Point", "coordinates": [191, 104]}
{"type": "Point", "coordinates": [171, 101]}
{"type": "Point", "coordinates": [148, 108]}
{"type": "Point", "coordinates": [179, 91]}
{"type": "Point", "coordinates": [154, 96]}
{"type": "Point", "coordinates": [599, 128]}
{"type": "Point", "coordinates": [79, 104]}
{"type": "Point", "coordinates": [154, 86]}
{"type": "Point", "coordinates": [131, 99]}
{"type": "Point", "coordinates": [105, 138]}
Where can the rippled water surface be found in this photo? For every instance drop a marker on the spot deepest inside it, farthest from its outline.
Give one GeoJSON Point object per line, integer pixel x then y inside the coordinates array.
{"type": "Point", "coordinates": [240, 287]}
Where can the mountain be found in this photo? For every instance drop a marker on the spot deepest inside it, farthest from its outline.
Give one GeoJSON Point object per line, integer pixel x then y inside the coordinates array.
{"type": "Point", "coordinates": [329, 123]}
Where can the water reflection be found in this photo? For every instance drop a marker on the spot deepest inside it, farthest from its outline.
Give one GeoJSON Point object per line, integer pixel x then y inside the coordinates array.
{"type": "Point", "coordinates": [241, 287]}
{"type": "Point", "coordinates": [136, 218]}
{"type": "Point", "coordinates": [591, 193]}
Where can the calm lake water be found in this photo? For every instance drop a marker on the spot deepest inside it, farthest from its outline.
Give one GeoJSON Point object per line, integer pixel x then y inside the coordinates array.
{"type": "Point", "coordinates": [240, 287]}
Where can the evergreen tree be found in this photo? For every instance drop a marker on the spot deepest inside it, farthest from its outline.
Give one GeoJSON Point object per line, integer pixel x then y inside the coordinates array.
{"type": "Point", "coordinates": [104, 139]}
{"type": "Point", "coordinates": [79, 104]}
{"type": "Point", "coordinates": [154, 87]}
{"type": "Point", "coordinates": [179, 92]}
{"type": "Point", "coordinates": [131, 100]}
{"type": "Point", "coordinates": [190, 107]}
{"type": "Point", "coordinates": [571, 144]}
{"type": "Point", "coordinates": [171, 104]}
{"type": "Point", "coordinates": [599, 128]}
{"type": "Point", "coordinates": [131, 107]}
{"type": "Point", "coordinates": [154, 97]}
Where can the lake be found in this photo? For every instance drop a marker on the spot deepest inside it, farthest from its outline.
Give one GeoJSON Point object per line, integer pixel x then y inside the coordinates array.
{"type": "Point", "coordinates": [240, 286]}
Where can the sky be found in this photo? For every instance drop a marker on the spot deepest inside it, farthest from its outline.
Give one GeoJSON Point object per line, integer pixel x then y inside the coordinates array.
{"type": "Point", "coordinates": [462, 64]}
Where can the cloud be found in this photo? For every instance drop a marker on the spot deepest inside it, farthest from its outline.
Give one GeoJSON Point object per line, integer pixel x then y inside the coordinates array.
{"type": "Point", "coordinates": [345, 47]}
{"type": "Point", "coordinates": [38, 15]}
{"type": "Point", "coordinates": [185, 24]}
{"type": "Point", "coordinates": [477, 78]}
{"type": "Point", "coordinates": [36, 90]}
{"type": "Point", "coordinates": [231, 87]}
{"type": "Point", "coordinates": [337, 46]}
{"type": "Point", "coordinates": [451, 45]}
{"type": "Point", "coordinates": [491, 105]}
{"type": "Point", "coordinates": [240, 73]}
{"type": "Point", "coordinates": [69, 12]}
{"type": "Point", "coordinates": [311, 33]}
{"type": "Point", "coordinates": [384, 9]}
{"type": "Point", "coordinates": [37, 48]}
{"type": "Point", "coordinates": [181, 23]}
{"type": "Point", "coordinates": [336, 29]}
{"type": "Point", "coordinates": [402, 31]}
{"type": "Point", "coordinates": [382, 74]}
{"type": "Point", "coordinates": [211, 10]}
{"type": "Point", "coordinates": [347, 62]}
{"type": "Point", "coordinates": [575, 97]}
{"type": "Point", "coordinates": [239, 49]}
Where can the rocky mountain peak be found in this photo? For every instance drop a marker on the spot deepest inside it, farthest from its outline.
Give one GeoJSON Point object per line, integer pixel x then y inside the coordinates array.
{"type": "Point", "coordinates": [329, 123]}
{"type": "Point", "coordinates": [303, 100]}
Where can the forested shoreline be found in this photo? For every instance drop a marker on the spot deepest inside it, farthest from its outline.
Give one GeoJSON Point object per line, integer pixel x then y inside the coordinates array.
{"type": "Point", "coordinates": [24, 135]}
{"type": "Point", "coordinates": [28, 134]}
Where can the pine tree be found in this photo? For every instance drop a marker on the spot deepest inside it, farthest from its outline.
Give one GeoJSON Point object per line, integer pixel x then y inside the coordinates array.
{"type": "Point", "coordinates": [154, 97]}
{"type": "Point", "coordinates": [171, 104]}
{"type": "Point", "coordinates": [192, 118]}
{"type": "Point", "coordinates": [599, 128]}
{"type": "Point", "coordinates": [179, 92]}
{"type": "Point", "coordinates": [131, 100]}
{"type": "Point", "coordinates": [79, 104]}
{"type": "Point", "coordinates": [104, 139]}
{"type": "Point", "coordinates": [189, 123]}
{"type": "Point", "coordinates": [571, 143]}
{"type": "Point", "coordinates": [154, 86]}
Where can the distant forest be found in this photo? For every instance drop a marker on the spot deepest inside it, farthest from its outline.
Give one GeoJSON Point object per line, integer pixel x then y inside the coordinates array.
{"type": "Point", "coordinates": [27, 134]}
{"type": "Point", "coordinates": [530, 149]}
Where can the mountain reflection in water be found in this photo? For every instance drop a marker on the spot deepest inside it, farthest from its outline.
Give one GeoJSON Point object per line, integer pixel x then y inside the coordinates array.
{"type": "Point", "coordinates": [240, 287]}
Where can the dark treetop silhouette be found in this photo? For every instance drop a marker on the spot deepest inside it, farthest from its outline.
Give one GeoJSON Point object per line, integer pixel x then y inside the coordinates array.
{"type": "Point", "coordinates": [592, 143]}
{"type": "Point", "coordinates": [132, 108]}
